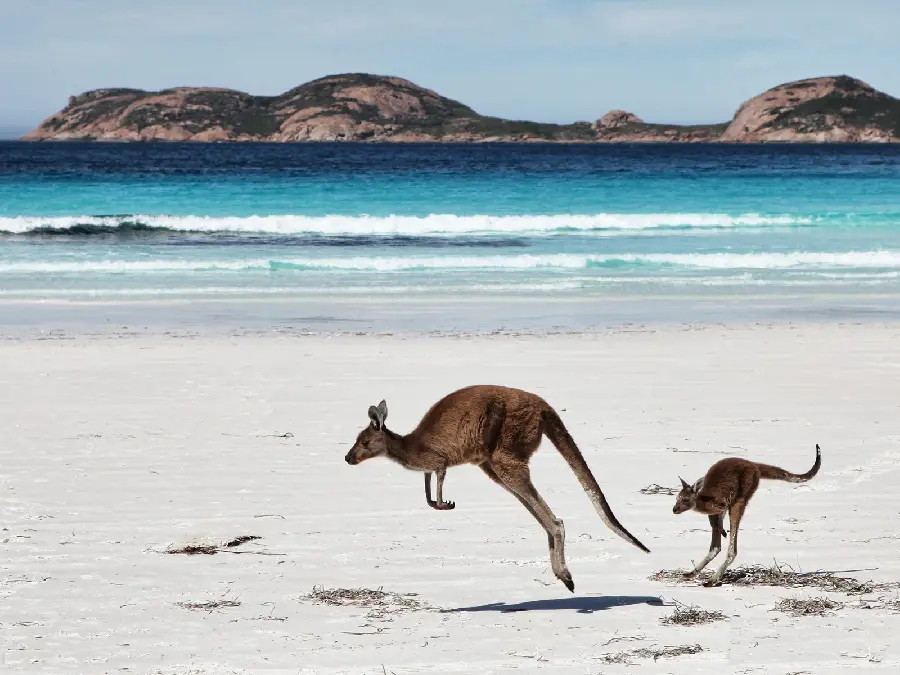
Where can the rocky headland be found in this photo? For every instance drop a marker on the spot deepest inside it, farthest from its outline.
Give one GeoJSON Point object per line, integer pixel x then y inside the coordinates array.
{"type": "Point", "coordinates": [363, 107]}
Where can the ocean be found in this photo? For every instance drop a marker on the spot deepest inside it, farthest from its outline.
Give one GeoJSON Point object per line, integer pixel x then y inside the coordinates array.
{"type": "Point", "coordinates": [335, 230]}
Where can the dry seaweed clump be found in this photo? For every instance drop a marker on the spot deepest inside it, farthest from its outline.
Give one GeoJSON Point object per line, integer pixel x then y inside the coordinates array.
{"type": "Point", "coordinates": [821, 606]}
{"type": "Point", "coordinates": [692, 615]}
{"type": "Point", "coordinates": [210, 605]}
{"type": "Point", "coordinates": [380, 603]}
{"type": "Point", "coordinates": [891, 605]}
{"type": "Point", "coordinates": [652, 653]}
{"type": "Point", "coordinates": [782, 577]}
{"type": "Point", "coordinates": [211, 549]}
{"type": "Point", "coordinates": [655, 489]}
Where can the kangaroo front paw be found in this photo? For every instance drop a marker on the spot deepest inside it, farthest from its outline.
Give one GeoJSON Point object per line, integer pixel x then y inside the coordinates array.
{"type": "Point", "coordinates": [443, 506]}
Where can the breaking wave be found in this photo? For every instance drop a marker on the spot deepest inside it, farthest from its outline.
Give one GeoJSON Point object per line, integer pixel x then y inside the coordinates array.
{"type": "Point", "coordinates": [435, 224]}
{"type": "Point", "coordinates": [885, 259]}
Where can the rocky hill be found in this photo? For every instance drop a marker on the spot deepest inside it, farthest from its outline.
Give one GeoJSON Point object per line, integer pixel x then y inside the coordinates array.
{"type": "Point", "coordinates": [363, 107]}
{"type": "Point", "coordinates": [818, 110]}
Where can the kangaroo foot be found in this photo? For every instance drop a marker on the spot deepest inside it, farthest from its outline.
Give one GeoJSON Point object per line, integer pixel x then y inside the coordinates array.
{"type": "Point", "coordinates": [566, 578]}
{"type": "Point", "coordinates": [689, 575]}
{"type": "Point", "coordinates": [711, 583]}
{"type": "Point", "coordinates": [561, 572]}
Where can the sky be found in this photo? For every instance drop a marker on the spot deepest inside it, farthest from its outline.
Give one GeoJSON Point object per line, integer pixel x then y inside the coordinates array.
{"type": "Point", "coordinates": [676, 61]}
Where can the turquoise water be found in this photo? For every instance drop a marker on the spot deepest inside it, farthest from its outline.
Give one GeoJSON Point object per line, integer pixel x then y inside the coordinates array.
{"type": "Point", "coordinates": [94, 221]}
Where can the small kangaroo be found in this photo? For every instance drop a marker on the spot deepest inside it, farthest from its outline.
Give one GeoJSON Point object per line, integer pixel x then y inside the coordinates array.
{"type": "Point", "coordinates": [728, 486]}
{"type": "Point", "coordinates": [498, 429]}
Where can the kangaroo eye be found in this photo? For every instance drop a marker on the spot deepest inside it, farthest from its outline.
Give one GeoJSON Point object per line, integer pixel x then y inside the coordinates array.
{"type": "Point", "coordinates": [366, 445]}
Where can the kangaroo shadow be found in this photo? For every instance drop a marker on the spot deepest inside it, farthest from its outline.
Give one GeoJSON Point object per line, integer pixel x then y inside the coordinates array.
{"type": "Point", "coordinates": [583, 605]}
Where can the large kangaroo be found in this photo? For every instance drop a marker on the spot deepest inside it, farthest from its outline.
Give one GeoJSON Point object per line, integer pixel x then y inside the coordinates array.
{"type": "Point", "coordinates": [728, 486]}
{"type": "Point", "coordinates": [498, 429]}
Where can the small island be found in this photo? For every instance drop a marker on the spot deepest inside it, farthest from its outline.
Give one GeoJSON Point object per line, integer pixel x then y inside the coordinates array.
{"type": "Point", "coordinates": [362, 107]}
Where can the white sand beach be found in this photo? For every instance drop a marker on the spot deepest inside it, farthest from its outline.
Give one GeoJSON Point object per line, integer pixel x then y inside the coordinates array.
{"type": "Point", "coordinates": [115, 448]}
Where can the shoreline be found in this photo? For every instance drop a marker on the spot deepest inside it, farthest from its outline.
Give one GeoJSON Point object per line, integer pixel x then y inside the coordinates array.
{"type": "Point", "coordinates": [460, 315]}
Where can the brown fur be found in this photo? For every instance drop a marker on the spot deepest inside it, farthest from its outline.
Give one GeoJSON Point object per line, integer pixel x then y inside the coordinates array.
{"type": "Point", "coordinates": [728, 487]}
{"type": "Point", "coordinates": [498, 429]}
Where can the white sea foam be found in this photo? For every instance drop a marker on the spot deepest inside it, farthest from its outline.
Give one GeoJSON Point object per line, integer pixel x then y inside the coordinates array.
{"type": "Point", "coordinates": [708, 261]}
{"type": "Point", "coordinates": [286, 290]}
{"type": "Point", "coordinates": [360, 263]}
{"type": "Point", "coordinates": [436, 224]}
{"type": "Point", "coordinates": [813, 260]}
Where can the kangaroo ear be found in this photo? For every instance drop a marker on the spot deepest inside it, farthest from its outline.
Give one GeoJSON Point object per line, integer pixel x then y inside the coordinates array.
{"type": "Point", "coordinates": [382, 409]}
{"type": "Point", "coordinates": [375, 416]}
{"type": "Point", "coordinates": [684, 483]}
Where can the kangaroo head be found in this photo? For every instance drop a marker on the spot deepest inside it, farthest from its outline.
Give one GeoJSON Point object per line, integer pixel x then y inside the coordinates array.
{"type": "Point", "coordinates": [371, 441]}
{"type": "Point", "coordinates": [686, 499]}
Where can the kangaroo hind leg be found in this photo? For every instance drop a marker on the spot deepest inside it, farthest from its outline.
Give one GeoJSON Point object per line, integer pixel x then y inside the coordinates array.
{"type": "Point", "coordinates": [516, 477]}
{"type": "Point", "coordinates": [489, 472]}
{"type": "Point", "coordinates": [735, 514]}
{"type": "Point", "coordinates": [715, 545]}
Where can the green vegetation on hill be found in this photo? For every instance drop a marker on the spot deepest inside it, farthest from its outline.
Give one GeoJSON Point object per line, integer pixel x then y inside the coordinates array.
{"type": "Point", "coordinates": [205, 109]}
{"type": "Point", "coordinates": [495, 126]}
{"type": "Point", "coordinates": [674, 131]}
{"type": "Point", "coordinates": [877, 110]}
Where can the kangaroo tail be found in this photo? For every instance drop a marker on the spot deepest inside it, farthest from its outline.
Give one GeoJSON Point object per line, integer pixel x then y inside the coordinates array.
{"type": "Point", "coordinates": [777, 473]}
{"type": "Point", "coordinates": [556, 431]}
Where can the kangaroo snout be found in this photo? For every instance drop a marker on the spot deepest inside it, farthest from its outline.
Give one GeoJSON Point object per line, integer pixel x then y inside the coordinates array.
{"type": "Point", "coordinates": [351, 458]}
